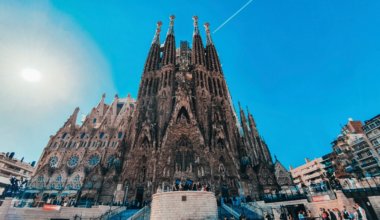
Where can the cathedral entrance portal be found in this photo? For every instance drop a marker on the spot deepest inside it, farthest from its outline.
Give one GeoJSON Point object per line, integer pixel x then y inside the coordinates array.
{"type": "Point", "coordinates": [225, 193]}
{"type": "Point", "coordinates": [139, 196]}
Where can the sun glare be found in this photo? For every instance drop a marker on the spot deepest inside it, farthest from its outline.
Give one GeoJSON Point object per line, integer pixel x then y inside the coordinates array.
{"type": "Point", "coordinates": [31, 75]}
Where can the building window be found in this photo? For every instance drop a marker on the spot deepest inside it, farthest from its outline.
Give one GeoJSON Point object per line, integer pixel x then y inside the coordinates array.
{"type": "Point", "coordinates": [110, 160]}
{"type": "Point", "coordinates": [76, 178]}
{"type": "Point", "coordinates": [40, 179]}
{"type": "Point", "coordinates": [94, 120]}
{"type": "Point", "coordinates": [73, 161]}
{"type": "Point", "coordinates": [93, 160]}
{"type": "Point", "coordinates": [53, 161]}
{"type": "Point", "coordinates": [101, 135]}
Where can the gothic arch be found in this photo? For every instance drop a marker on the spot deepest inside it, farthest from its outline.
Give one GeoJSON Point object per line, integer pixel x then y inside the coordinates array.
{"type": "Point", "coordinates": [145, 142]}
{"type": "Point", "coordinates": [183, 115]}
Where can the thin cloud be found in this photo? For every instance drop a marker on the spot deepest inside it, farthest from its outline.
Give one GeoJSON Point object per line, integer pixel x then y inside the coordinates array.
{"type": "Point", "coordinates": [232, 16]}
{"type": "Point", "coordinates": [73, 73]}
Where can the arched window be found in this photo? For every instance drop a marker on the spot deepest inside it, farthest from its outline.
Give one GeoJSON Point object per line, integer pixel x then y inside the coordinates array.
{"type": "Point", "coordinates": [145, 143]}
{"type": "Point", "coordinates": [220, 143]}
{"type": "Point", "coordinates": [183, 115]}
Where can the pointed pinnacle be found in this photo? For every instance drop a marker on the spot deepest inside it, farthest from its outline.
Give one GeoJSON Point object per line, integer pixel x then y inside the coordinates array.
{"type": "Point", "coordinates": [171, 25]}
{"type": "Point", "coordinates": [196, 30]}
{"type": "Point", "coordinates": [156, 39]}
{"type": "Point", "coordinates": [207, 28]}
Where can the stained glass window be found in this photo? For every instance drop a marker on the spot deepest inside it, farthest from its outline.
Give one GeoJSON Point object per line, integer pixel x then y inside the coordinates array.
{"type": "Point", "coordinates": [53, 161]}
{"type": "Point", "coordinates": [110, 160]}
{"type": "Point", "coordinates": [94, 160]}
{"type": "Point", "coordinates": [73, 161]}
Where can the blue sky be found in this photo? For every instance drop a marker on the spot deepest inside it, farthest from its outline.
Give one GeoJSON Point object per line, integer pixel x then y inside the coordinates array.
{"type": "Point", "coordinates": [302, 67]}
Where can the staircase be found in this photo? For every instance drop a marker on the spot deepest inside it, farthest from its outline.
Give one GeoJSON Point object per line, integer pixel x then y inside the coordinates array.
{"type": "Point", "coordinates": [126, 214]}
{"type": "Point", "coordinates": [142, 214]}
{"type": "Point", "coordinates": [249, 211]}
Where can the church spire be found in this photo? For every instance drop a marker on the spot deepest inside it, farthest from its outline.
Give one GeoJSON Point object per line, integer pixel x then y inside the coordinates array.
{"type": "Point", "coordinates": [169, 47]}
{"type": "Point", "coordinates": [198, 51]}
{"type": "Point", "coordinates": [71, 121]}
{"type": "Point", "coordinates": [243, 120]}
{"type": "Point", "coordinates": [196, 29]}
{"type": "Point", "coordinates": [153, 59]}
{"type": "Point", "coordinates": [212, 59]}
{"type": "Point", "coordinates": [156, 39]}
{"type": "Point", "coordinates": [171, 26]}
{"type": "Point", "coordinates": [252, 124]}
{"type": "Point", "coordinates": [208, 35]}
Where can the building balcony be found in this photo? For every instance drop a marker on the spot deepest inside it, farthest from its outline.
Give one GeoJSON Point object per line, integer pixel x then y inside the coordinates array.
{"type": "Point", "coordinates": [367, 165]}
{"type": "Point", "coordinates": [357, 141]}
{"type": "Point", "coordinates": [16, 164]}
{"type": "Point", "coordinates": [20, 173]}
{"type": "Point", "coordinates": [364, 157]}
{"type": "Point", "coordinates": [313, 176]}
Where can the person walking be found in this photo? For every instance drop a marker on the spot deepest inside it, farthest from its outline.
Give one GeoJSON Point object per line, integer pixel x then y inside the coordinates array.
{"type": "Point", "coordinates": [361, 212]}
{"type": "Point", "coordinates": [325, 215]}
{"type": "Point", "coordinates": [339, 213]}
{"type": "Point", "coordinates": [301, 215]}
{"type": "Point", "coordinates": [345, 213]}
{"type": "Point", "coordinates": [332, 215]}
{"type": "Point", "coordinates": [310, 215]}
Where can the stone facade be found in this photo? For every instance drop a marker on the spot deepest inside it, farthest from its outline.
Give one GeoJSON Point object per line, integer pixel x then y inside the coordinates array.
{"type": "Point", "coordinates": [183, 127]}
{"type": "Point", "coordinates": [87, 158]}
{"type": "Point", "coordinates": [184, 205]}
{"type": "Point", "coordinates": [283, 176]}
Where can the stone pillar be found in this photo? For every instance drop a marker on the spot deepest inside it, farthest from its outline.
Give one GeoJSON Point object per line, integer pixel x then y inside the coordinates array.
{"type": "Point", "coordinates": [119, 194]}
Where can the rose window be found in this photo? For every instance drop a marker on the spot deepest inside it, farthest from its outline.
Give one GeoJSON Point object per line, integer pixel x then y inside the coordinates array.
{"type": "Point", "coordinates": [53, 161]}
{"type": "Point", "coordinates": [94, 160]}
{"type": "Point", "coordinates": [73, 161]}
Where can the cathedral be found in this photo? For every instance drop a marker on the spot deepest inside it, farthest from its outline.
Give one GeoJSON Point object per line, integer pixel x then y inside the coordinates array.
{"type": "Point", "coordinates": [182, 127]}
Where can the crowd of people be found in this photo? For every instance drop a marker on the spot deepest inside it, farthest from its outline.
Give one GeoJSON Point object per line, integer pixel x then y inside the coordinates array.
{"type": "Point", "coordinates": [357, 213]}
{"type": "Point", "coordinates": [187, 185]}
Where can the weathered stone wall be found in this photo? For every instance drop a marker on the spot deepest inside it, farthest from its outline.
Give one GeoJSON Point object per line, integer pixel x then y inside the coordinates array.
{"type": "Point", "coordinates": [184, 205]}
{"type": "Point", "coordinates": [8, 212]}
{"type": "Point", "coordinates": [375, 201]}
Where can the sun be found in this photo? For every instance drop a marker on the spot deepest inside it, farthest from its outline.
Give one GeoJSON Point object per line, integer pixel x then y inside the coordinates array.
{"type": "Point", "coordinates": [31, 75]}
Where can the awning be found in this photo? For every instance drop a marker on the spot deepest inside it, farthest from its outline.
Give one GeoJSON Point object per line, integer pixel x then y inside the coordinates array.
{"type": "Point", "coordinates": [51, 192]}
{"type": "Point", "coordinates": [32, 191]}
{"type": "Point", "coordinates": [69, 192]}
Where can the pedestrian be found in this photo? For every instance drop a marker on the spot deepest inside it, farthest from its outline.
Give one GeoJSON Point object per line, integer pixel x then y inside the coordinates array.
{"type": "Point", "coordinates": [310, 215]}
{"type": "Point", "coordinates": [301, 215]}
{"type": "Point", "coordinates": [361, 212]}
{"type": "Point", "coordinates": [325, 215]}
{"type": "Point", "coordinates": [339, 214]}
{"type": "Point", "coordinates": [345, 213]}
{"type": "Point", "coordinates": [332, 215]}
{"type": "Point", "coordinates": [283, 216]}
